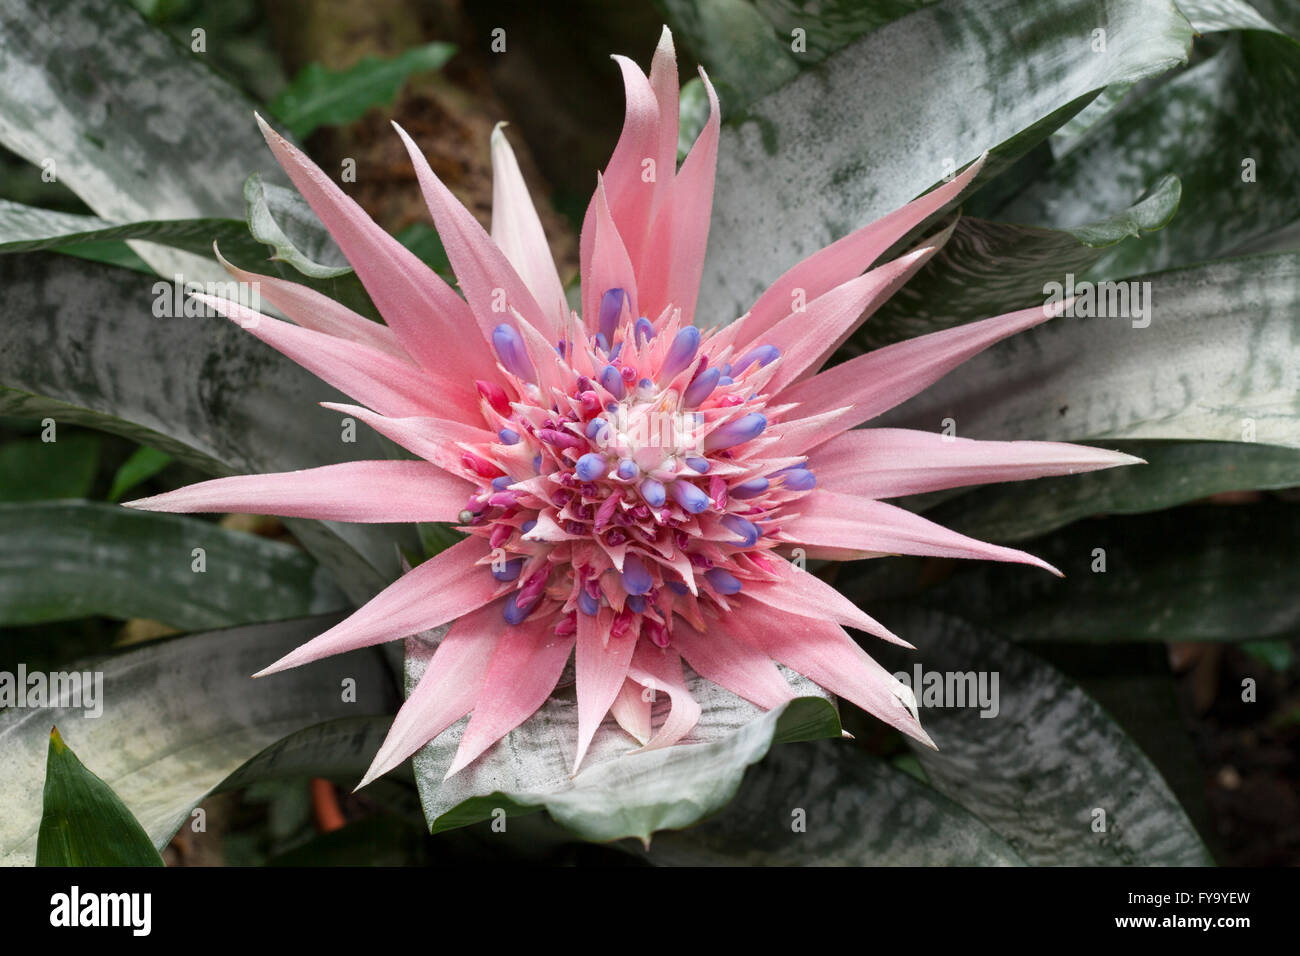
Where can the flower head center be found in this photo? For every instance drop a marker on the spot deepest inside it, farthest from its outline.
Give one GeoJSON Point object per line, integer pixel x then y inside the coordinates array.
{"type": "Point", "coordinates": [629, 476]}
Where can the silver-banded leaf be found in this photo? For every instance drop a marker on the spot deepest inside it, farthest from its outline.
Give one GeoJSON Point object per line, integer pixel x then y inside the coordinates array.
{"type": "Point", "coordinates": [1197, 573]}
{"type": "Point", "coordinates": [826, 803]}
{"type": "Point", "coordinates": [616, 794]}
{"type": "Point", "coordinates": [80, 344]}
{"type": "Point", "coordinates": [988, 268]}
{"type": "Point", "coordinates": [1175, 472]}
{"type": "Point", "coordinates": [280, 218]}
{"type": "Point", "coordinates": [1206, 17]}
{"type": "Point", "coordinates": [31, 229]}
{"type": "Point", "coordinates": [867, 131]}
{"type": "Point", "coordinates": [83, 822]}
{"type": "Point", "coordinates": [1045, 768]}
{"type": "Point", "coordinates": [179, 717]}
{"type": "Point", "coordinates": [340, 749]}
{"type": "Point", "coordinates": [754, 48]}
{"type": "Point", "coordinates": [1210, 16]}
{"type": "Point", "coordinates": [1215, 357]}
{"type": "Point", "coordinates": [60, 560]}
{"type": "Point", "coordinates": [176, 146]}
{"type": "Point", "coordinates": [302, 249]}
{"type": "Point", "coordinates": [1216, 126]}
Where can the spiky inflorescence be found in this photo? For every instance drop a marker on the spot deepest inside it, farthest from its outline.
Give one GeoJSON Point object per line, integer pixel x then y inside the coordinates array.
{"type": "Point", "coordinates": [628, 484]}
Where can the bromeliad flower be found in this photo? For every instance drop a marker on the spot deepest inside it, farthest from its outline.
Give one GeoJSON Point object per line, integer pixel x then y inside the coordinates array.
{"type": "Point", "coordinates": [629, 485]}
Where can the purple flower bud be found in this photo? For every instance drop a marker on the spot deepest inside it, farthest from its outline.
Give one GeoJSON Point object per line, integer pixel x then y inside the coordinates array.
{"type": "Point", "coordinates": [681, 353]}
{"type": "Point", "coordinates": [510, 570]}
{"type": "Point", "coordinates": [701, 388]}
{"type": "Point", "coordinates": [636, 579]}
{"type": "Point", "coordinates": [627, 469]}
{"type": "Point", "coordinates": [508, 436]}
{"type": "Point", "coordinates": [611, 306]}
{"type": "Point", "coordinates": [679, 588]}
{"type": "Point", "coordinates": [510, 349]}
{"type": "Point", "coordinates": [747, 531]}
{"type": "Point", "coordinates": [698, 464]}
{"type": "Point", "coordinates": [800, 479]}
{"type": "Point", "coordinates": [636, 602]}
{"type": "Point", "coordinates": [737, 432]}
{"type": "Point", "coordinates": [613, 381]}
{"type": "Point", "coordinates": [514, 612]}
{"type": "Point", "coordinates": [643, 330]}
{"type": "Point", "coordinates": [763, 355]}
{"type": "Point", "coordinates": [590, 466]}
{"type": "Point", "coordinates": [653, 493]}
{"type": "Point", "coordinates": [587, 604]}
{"type": "Point", "coordinates": [692, 499]}
{"type": "Point", "coordinates": [749, 489]}
{"type": "Point", "coordinates": [502, 483]}
{"type": "Point", "coordinates": [724, 582]}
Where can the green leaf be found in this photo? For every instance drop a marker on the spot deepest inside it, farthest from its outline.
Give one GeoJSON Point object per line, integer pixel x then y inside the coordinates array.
{"type": "Point", "coordinates": [144, 463]}
{"type": "Point", "coordinates": [422, 239]}
{"type": "Point", "coordinates": [826, 803]}
{"type": "Point", "coordinates": [179, 718]}
{"type": "Point", "coordinates": [321, 97]}
{"type": "Point", "coordinates": [305, 252]}
{"type": "Point", "coordinates": [301, 247]}
{"type": "Point", "coordinates": [1040, 769]}
{"type": "Point", "coordinates": [1175, 472]}
{"type": "Point", "coordinates": [616, 794]}
{"type": "Point", "coordinates": [340, 750]}
{"type": "Point", "coordinates": [736, 42]}
{"type": "Point", "coordinates": [754, 48]}
{"type": "Point", "coordinates": [32, 469]}
{"type": "Point", "coordinates": [988, 268]}
{"type": "Point", "coordinates": [1208, 16]}
{"type": "Point", "coordinates": [81, 344]}
{"type": "Point", "coordinates": [84, 823]}
{"type": "Point", "coordinates": [1197, 573]}
{"type": "Point", "coordinates": [31, 229]}
{"type": "Point", "coordinates": [1218, 359]}
{"type": "Point", "coordinates": [125, 564]}
{"type": "Point", "coordinates": [1275, 654]}
{"type": "Point", "coordinates": [281, 219]}
{"type": "Point", "coordinates": [1203, 125]}
{"type": "Point", "coordinates": [693, 114]}
{"type": "Point", "coordinates": [841, 146]}
{"type": "Point", "coordinates": [176, 145]}
{"type": "Point", "coordinates": [111, 252]}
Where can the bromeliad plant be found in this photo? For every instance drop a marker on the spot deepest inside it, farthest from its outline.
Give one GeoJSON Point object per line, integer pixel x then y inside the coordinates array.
{"type": "Point", "coordinates": [638, 480]}
{"type": "Point", "coordinates": [628, 484]}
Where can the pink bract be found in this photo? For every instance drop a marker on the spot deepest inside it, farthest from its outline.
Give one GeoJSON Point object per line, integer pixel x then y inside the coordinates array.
{"type": "Point", "coordinates": [630, 479]}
